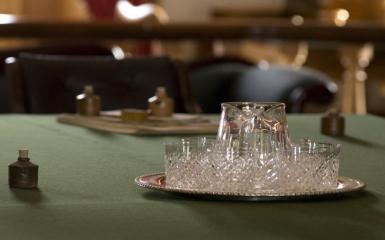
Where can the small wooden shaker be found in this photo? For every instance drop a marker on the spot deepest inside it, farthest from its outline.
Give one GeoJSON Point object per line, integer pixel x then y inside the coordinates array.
{"type": "Point", "coordinates": [161, 105]}
{"type": "Point", "coordinates": [88, 104]}
{"type": "Point", "coordinates": [333, 124]}
{"type": "Point", "coordinates": [23, 173]}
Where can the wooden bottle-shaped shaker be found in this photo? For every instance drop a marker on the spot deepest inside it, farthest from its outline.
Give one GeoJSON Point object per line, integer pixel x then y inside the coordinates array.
{"type": "Point", "coordinates": [88, 103]}
{"type": "Point", "coordinates": [161, 105]}
{"type": "Point", "coordinates": [23, 173]}
{"type": "Point", "coordinates": [333, 123]}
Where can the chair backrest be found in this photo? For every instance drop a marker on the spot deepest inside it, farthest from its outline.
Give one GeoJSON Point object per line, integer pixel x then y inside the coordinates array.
{"type": "Point", "coordinates": [295, 87]}
{"type": "Point", "coordinates": [49, 84]}
{"type": "Point", "coordinates": [228, 82]}
{"type": "Point", "coordinates": [211, 81]}
{"type": "Point", "coordinates": [77, 49]}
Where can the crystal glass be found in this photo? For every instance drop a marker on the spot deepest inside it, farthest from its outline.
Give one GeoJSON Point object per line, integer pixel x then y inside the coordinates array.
{"type": "Point", "coordinates": [187, 162]}
{"type": "Point", "coordinates": [312, 166]}
{"type": "Point", "coordinates": [251, 154]}
{"type": "Point", "coordinates": [251, 125]}
{"type": "Point", "coordinates": [250, 135]}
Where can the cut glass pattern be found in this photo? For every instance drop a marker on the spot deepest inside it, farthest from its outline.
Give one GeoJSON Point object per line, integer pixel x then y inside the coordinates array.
{"type": "Point", "coordinates": [251, 154]}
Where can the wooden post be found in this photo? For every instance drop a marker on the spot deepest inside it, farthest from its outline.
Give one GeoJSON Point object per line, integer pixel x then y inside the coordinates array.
{"type": "Point", "coordinates": [355, 58]}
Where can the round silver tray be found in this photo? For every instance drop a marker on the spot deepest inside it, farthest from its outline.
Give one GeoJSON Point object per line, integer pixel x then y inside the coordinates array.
{"type": "Point", "coordinates": [345, 185]}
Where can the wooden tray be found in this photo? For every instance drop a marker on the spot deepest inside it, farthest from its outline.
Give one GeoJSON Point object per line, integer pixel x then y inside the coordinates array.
{"type": "Point", "coordinates": [178, 124]}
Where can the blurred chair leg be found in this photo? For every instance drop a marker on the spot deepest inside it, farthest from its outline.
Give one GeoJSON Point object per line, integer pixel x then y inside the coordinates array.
{"type": "Point", "coordinates": [190, 103]}
{"type": "Point", "coordinates": [355, 58]}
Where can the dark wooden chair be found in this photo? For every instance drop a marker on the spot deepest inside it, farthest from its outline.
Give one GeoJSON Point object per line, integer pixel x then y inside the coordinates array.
{"type": "Point", "coordinates": [303, 90]}
{"type": "Point", "coordinates": [49, 84]}
{"type": "Point", "coordinates": [212, 80]}
{"type": "Point", "coordinates": [78, 49]}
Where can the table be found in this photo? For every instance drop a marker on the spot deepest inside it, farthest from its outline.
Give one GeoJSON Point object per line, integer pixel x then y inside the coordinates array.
{"type": "Point", "coordinates": [87, 189]}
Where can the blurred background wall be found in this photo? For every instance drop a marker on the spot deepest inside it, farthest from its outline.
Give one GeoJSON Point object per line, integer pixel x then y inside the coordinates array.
{"type": "Point", "coordinates": [46, 8]}
{"type": "Point", "coordinates": [322, 56]}
{"type": "Point", "coordinates": [200, 9]}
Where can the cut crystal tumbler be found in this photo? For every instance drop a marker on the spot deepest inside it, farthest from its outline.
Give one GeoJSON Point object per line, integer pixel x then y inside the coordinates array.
{"type": "Point", "coordinates": [251, 154]}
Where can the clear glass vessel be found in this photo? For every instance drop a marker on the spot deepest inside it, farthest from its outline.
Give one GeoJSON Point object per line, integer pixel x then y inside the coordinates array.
{"type": "Point", "coordinates": [253, 128]}
{"type": "Point", "coordinates": [251, 154]}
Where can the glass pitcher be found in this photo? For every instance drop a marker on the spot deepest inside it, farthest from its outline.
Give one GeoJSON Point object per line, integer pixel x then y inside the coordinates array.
{"type": "Point", "coordinates": [253, 128]}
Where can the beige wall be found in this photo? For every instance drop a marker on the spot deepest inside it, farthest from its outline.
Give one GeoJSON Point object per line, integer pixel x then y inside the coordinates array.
{"type": "Point", "coordinates": [191, 10]}
{"type": "Point", "coordinates": [52, 9]}
{"type": "Point", "coordinates": [11, 6]}
{"type": "Point", "coordinates": [360, 9]}
{"type": "Point", "coordinates": [183, 10]}
{"type": "Point", "coordinates": [46, 8]}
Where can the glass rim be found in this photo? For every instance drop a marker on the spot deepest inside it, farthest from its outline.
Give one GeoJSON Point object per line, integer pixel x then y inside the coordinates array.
{"type": "Point", "coordinates": [261, 104]}
{"type": "Point", "coordinates": [192, 139]}
{"type": "Point", "coordinates": [314, 144]}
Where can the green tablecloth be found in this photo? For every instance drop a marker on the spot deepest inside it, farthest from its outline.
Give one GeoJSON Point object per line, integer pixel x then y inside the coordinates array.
{"type": "Point", "coordinates": [87, 189]}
